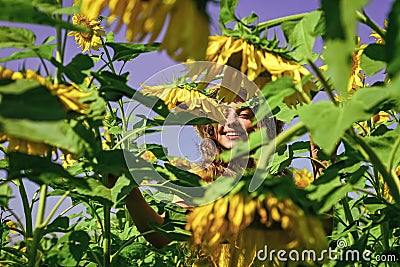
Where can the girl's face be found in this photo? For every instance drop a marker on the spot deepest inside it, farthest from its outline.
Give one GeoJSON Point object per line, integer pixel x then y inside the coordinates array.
{"type": "Point", "coordinates": [236, 128]}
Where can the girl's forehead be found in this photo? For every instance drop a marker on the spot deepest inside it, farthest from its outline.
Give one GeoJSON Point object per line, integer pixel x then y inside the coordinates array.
{"type": "Point", "coordinates": [235, 103]}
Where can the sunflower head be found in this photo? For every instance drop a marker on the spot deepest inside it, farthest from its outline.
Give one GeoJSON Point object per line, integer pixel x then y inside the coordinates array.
{"type": "Point", "coordinates": [71, 96]}
{"type": "Point", "coordinates": [90, 39]}
{"type": "Point", "coordinates": [302, 178]}
{"type": "Point", "coordinates": [186, 30]}
{"type": "Point", "coordinates": [187, 97]}
{"type": "Point", "coordinates": [260, 62]}
{"type": "Point", "coordinates": [247, 224]}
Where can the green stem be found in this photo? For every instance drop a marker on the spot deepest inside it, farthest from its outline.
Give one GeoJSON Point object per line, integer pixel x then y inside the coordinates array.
{"type": "Point", "coordinates": [107, 229]}
{"type": "Point", "coordinates": [391, 180]}
{"type": "Point", "coordinates": [276, 22]}
{"type": "Point", "coordinates": [97, 216]}
{"type": "Point", "coordinates": [312, 159]}
{"type": "Point", "coordinates": [55, 208]}
{"type": "Point", "coordinates": [27, 210]}
{"type": "Point", "coordinates": [363, 18]}
{"type": "Point", "coordinates": [393, 153]}
{"type": "Point", "coordinates": [44, 65]}
{"type": "Point", "coordinates": [123, 119]}
{"type": "Point", "coordinates": [108, 57]}
{"type": "Point", "coordinates": [37, 234]}
{"type": "Point", "coordinates": [120, 103]}
{"type": "Point", "coordinates": [66, 210]}
{"type": "Point", "coordinates": [324, 82]}
{"type": "Point", "coordinates": [33, 200]}
{"type": "Point", "coordinates": [58, 55]}
{"type": "Point", "coordinates": [65, 41]}
{"type": "Point", "coordinates": [127, 137]}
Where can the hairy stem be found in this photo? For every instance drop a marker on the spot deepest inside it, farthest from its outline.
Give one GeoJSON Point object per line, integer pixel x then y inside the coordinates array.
{"type": "Point", "coordinates": [393, 153]}
{"type": "Point", "coordinates": [276, 22]}
{"type": "Point", "coordinates": [27, 209]}
{"type": "Point", "coordinates": [55, 208]}
{"type": "Point", "coordinates": [363, 18]}
{"type": "Point", "coordinates": [37, 234]}
{"type": "Point", "coordinates": [324, 82]}
{"type": "Point", "coordinates": [107, 230]}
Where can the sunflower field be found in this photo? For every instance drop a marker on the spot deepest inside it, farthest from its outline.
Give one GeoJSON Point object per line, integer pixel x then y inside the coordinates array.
{"type": "Point", "coordinates": [322, 189]}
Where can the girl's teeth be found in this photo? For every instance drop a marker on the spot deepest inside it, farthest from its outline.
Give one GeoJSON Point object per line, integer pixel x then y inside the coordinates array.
{"type": "Point", "coordinates": [232, 134]}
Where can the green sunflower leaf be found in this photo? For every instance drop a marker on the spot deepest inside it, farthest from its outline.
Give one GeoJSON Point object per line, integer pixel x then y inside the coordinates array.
{"type": "Point", "coordinates": [16, 37]}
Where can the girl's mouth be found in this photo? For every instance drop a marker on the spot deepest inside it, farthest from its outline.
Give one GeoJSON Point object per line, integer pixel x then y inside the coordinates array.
{"type": "Point", "coordinates": [233, 135]}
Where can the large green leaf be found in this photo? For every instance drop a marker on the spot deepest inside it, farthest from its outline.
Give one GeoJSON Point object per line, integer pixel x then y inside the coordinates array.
{"type": "Point", "coordinates": [69, 249]}
{"type": "Point", "coordinates": [185, 178]}
{"type": "Point", "coordinates": [126, 51]}
{"type": "Point", "coordinates": [69, 10]}
{"type": "Point", "coordinates": [27, 12]}
{"type": "Point", "coordinates": [393, 40]}
{"type": "Point", "coordinates": [333, 20]}
{"type": "Point", "coordinates": [275, 92]}
{"type": "Point", "coordinates": [95, 190]}
{"type": "Point", "coordinates": [383, 146]}
{"type": "Point", "coordinates": [116, 86]}
{"type": "Point", "coordinates": [48, 6]}
{"type": "Point", "coordinates": [43, 171]}
{"type": "Point", "coordinates": [158, 150]}
{"type": "Point", "coordinates": [27, 99]}
{"type": "Point", "coordinates": [328, 123]}
{"type": "Point", "coordinates": [60, 224]}
{"type": "Point", "coordinates": [301, 35]}
{"type": "Point", "coordinates": [373, 59]}
{"type": "Point", "coordinates": [330, 188]}
{"type": "Point", "coordinates": [121, 189]}
{"type": "Point", "coordinates": [55, 133]}
{"type": "Point", "coordinates": [340, 19]}
{"type": "Point", "coordinates": [75, 70]}
{"type": "Point", "coordinates": [42, 51]}
{"type": "Point", "coordinates": [227, 11]}
{"type": "Point", "coordinates": [120, 162]}
{"type": "Point", "coordinates": [5, 194]}
{"type": "Point", "coordinates": [16, 37]}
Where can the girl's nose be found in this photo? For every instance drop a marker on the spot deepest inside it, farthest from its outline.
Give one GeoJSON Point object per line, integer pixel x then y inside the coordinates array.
{"type": "Point", "coordinates": [232, 119]}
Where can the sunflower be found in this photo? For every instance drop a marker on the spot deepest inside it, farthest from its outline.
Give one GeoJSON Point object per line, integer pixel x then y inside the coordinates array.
{"type": "Point", "coordinates": [71, 96]}
{"type": "Point", "coordinates": [302, 178]}
{"type": "Point", "coordinates": [365, 127]}
{"type": "Point", "coordinates": [259, 64]}
{"type": "Point", "coordinates": [357, 77]}
{"type": "Point", "coordinates": [187, 30]}
{"type": "Point", "coordinates": [187, 99]}
{"type": "Point", "coordinates": [248, 224]}
{"type": "Point", "coordinates": [87, 40]}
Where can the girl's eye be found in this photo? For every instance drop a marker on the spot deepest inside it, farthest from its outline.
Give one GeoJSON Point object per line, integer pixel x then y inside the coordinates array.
{"type": "Point", "coordinates": [244, 115]}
